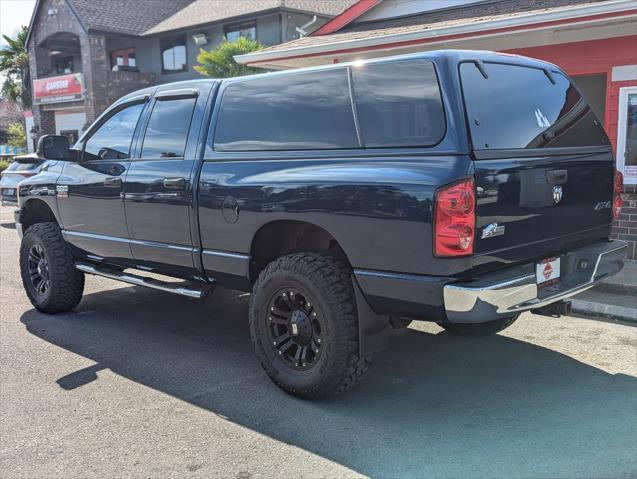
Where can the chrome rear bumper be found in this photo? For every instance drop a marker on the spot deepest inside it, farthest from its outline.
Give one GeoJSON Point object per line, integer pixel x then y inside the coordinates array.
{"type": "Point", "coordinates": [514, 290]}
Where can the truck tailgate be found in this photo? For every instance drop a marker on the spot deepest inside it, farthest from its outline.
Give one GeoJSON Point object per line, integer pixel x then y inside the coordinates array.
{"type": "Point", "coordinates": [536, 207]}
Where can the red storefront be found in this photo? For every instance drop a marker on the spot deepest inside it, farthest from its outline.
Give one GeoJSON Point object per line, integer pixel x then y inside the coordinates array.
{"type": "Point", "coordinates": [595, 41]}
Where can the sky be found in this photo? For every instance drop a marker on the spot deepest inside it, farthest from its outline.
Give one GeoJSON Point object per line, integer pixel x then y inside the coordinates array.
{"type": "Point", "coordinates": [14, 14]}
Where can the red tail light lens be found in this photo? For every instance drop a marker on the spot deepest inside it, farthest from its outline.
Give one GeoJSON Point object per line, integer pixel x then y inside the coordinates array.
{"type": "Point", "coordinates": [617, 190]}
{"type": "Point", "coordinates": [454, 220]}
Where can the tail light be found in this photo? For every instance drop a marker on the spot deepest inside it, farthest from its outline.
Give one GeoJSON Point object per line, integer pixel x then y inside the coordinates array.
{"type": "Point", "coordinates": [454, 220]}
{"type": "Point", "coordinates": [27, 174]}
{"type": "Point", "coordinates": [617, 191]}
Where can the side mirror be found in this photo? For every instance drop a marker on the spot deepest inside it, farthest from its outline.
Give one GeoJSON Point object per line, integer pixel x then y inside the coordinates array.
{"type": "Point", "coordinates": [54, 147]}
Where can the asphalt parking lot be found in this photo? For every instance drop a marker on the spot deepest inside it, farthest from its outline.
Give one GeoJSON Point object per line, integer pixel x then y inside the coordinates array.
{"type": "Point", "coordinates": [136, 383]}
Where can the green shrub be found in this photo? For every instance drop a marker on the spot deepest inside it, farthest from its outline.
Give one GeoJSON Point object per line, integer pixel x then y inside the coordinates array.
{"type": "Point", "coordinates": [16, 135]}
{"type": "Point", "coordinates": [4, 164]}
{"type": "Point", "coordinates": [219, 62]}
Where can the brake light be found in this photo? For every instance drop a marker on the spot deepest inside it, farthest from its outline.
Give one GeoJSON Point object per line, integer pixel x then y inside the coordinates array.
{"type": "Point", "coordinates": [454, 220]}
{"type": "Point", "coordinates": [617, 191]}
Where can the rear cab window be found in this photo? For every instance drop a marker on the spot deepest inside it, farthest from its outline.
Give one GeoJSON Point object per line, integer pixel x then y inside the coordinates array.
{"type": "Point", "coordinates": [521, 107]}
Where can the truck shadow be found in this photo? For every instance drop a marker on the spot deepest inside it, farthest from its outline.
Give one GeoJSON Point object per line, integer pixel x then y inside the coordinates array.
{"type": "Point", "coordinates": [431, 406]}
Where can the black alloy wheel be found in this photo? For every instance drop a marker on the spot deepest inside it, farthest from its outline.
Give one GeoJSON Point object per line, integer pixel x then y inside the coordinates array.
{"type": "Point", "coordinates": [294, 327]}
{"type": "Point", "coordinates": [38, 269]}
{"type": "Point", "coordinates": [304, 325]}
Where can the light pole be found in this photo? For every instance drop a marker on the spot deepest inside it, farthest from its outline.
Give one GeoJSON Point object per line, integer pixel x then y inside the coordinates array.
{"type": "Point", "coordinates": [34, 136]}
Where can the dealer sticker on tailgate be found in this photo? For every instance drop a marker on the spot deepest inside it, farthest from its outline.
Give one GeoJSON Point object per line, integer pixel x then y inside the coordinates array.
{"type": "Point", "coordinates": [548, 271]}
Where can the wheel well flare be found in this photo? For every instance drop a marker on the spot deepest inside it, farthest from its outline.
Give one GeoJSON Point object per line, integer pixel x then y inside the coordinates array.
{"type": "Point", "coordinates": [36, 211]}
{"type": "Point", "coordinates": [283, 237]}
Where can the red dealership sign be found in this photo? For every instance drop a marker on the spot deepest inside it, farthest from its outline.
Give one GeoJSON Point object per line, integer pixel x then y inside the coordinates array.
{"type": "Point", "coordinates": [58, 89]}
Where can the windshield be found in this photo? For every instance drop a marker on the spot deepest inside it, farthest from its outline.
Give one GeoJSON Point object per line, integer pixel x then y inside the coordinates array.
{"type": "Point", "coordinates": [522, 107]}
{"type": "Point", "coordinates": [15, 166]}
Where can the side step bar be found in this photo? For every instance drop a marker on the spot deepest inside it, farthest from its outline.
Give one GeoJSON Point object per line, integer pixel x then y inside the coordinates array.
{"type": "Point", "coordinates": [179, 288]}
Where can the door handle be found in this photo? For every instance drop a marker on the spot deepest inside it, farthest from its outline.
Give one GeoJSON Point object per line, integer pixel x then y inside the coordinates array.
{"type": "Point", "coordinates": [174, 183]}
{"type": "Point", "coordinates": [113, 182]}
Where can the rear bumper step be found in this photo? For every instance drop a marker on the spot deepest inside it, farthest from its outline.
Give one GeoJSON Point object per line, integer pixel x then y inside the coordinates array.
{"type": "Point", "coordinates": [515, 290]}
{"type": "Point", "coordinates": [196, 292]}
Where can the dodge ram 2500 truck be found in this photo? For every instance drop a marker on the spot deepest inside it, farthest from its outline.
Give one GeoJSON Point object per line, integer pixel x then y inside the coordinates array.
{"type": "Point", "coordinates": [459, 187]}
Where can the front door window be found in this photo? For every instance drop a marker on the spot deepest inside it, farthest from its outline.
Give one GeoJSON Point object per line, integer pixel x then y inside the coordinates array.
{"type": "Point", "coordinates": [112, 140]}
{"type": "Point", "coordinates": [627, 134]}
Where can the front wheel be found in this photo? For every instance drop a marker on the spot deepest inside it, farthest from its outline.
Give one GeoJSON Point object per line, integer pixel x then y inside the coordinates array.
{"type": "Point", "coordinates": [478, 330]}
{"type": "Point", "coordinates": [50, 279]}
{"type": "Point", "coordinates": [304, 325]}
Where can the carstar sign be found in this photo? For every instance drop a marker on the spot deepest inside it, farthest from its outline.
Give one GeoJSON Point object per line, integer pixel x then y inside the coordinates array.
{"type": "Point", "coordinates": [58, 89]}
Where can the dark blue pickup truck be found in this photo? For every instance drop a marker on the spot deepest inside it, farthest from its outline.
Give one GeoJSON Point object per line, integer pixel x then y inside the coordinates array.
{"type": "Point", "coordinates": [459, 187]}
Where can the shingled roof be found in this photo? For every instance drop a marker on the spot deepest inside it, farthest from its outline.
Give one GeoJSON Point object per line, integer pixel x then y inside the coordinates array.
{"type": "Point", "coordinates": [147, 17]}
{"type": "Point", "coordinates": [200, 12]}
{"type": "Point", "coordinates": [481, 13]}
{"type": "Point", "coordinates": [126, 16]}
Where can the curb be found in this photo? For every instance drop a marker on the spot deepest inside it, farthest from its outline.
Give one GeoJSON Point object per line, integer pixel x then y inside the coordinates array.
{"type": "Point", "coordinates": [617, 288]}
{"type": "Point", "coordinates": [591, 308]}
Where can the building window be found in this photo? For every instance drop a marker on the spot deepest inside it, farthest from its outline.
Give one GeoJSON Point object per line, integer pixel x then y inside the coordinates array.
{"type": "Point", "coordinates": [123, 59]}
{"type": "Point", "coordinates": [627, 134]}
{"type": "Point", "coordinates": [245, 29]}
{"type": "Point", "coordinates": [173, 53]}
{"type": "Point", "coordinates": [63, 65]}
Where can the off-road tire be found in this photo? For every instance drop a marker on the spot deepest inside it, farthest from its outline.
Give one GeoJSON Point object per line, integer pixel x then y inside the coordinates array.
{"type": "Point", "coordinates": [328, 282]}
{"type": "Point", "coordinates": [66, 284]}
{"type": "Point", "coordinates": [479, 330]}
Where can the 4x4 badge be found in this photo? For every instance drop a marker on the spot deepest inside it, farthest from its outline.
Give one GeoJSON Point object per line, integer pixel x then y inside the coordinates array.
{"type": "Point", "coordinates": [491, 230]}
{"type": "Point", "coordinates": [557, 194]}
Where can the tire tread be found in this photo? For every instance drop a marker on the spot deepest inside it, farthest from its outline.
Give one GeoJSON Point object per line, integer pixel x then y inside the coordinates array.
{"type": "Point", "coordinates": [331, 277]}
{"type": "Point", "coordinates": [67, 283]}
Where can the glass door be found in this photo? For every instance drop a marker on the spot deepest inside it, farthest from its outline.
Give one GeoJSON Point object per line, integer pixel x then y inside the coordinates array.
{"type": "Point", "coordinates": [627, 134]}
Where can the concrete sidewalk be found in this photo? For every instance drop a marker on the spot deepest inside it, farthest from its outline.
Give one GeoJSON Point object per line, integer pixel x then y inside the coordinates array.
{"type": "Point", "coordinates": [615, 298]}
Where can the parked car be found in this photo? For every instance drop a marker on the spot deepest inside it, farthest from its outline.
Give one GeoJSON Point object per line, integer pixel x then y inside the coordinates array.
{"type": "Point", "coordinates": [22, 167]}
{"type": "Point", "coordinates": [458, 187]}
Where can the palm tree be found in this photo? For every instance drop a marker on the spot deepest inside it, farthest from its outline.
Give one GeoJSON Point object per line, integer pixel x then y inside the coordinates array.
{"type": "Point", "coordinates": [219, 62]}
{"type": "Point", "coordinates": [14, 65]}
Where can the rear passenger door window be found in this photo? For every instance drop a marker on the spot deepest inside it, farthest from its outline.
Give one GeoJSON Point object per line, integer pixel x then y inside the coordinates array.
{"type": "Point", "coordinates": [398, 104]}
{"type": "Point", "coordinates": [299, 111]}
{"type": "Point", "coordinates": [168, 128]}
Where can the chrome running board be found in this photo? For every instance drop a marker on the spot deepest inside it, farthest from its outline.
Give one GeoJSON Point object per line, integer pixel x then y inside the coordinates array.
{"type": "Point", "coordinates": [178, 288]}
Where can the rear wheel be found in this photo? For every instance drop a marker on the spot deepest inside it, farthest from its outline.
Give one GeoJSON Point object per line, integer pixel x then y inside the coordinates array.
{"type": "Point", "coordinates": [478, 330]}
{"type": "Point", "coordinates": [304, 325]}
{"type": "Point", "coordinates": [48, 272]}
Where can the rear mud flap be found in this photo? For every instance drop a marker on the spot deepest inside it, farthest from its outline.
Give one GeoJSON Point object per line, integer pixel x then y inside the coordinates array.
{"type": "Point", "coordinates": [374, 330]}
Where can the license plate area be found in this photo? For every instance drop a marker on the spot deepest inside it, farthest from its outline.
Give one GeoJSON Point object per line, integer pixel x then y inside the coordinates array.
{"type": "Point", "coordinates": [547, 272]}
{"type": "Point", "coordinates": [9, 191]}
